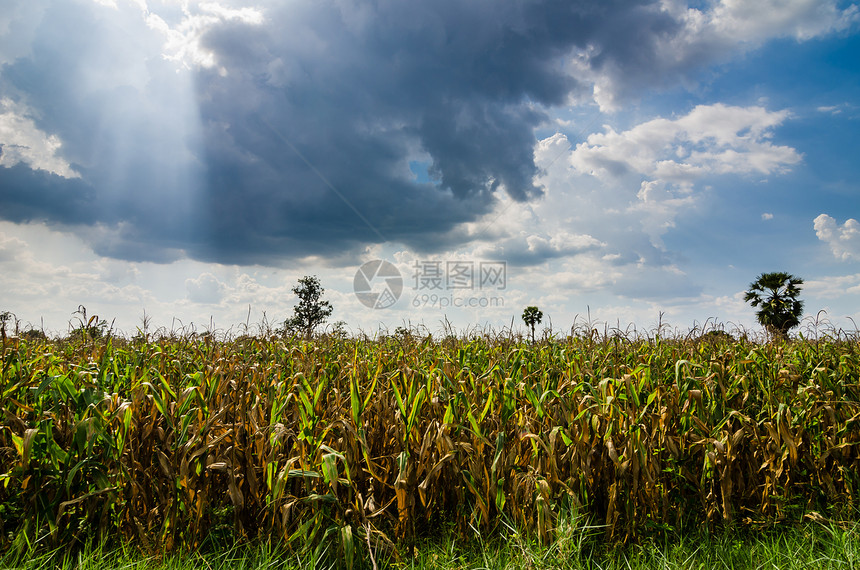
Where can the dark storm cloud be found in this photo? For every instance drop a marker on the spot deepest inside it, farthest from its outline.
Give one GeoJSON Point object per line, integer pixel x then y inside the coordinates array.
{"type": "Point", "coordinates": [68, 201]}
{"type": "Point", "coordinates": [299, 140]}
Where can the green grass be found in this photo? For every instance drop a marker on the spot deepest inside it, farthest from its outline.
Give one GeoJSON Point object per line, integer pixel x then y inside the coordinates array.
{"type": "Point", "coordinates": [578, 546]}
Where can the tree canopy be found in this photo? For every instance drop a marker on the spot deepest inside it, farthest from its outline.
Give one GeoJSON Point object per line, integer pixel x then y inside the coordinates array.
{"type": "Point", "coordinates": [532, 316]}
{"type": "Point", "coordinates": [311, 310]}
{"type": "Point", "coordinates": [776, 295]}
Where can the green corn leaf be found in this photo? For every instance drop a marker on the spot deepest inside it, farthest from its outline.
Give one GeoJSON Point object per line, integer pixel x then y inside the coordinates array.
{"type": "Point", "coordinates": [348, 546]}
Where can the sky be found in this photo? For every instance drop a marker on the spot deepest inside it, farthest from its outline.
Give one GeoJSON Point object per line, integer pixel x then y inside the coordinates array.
{"type": "Point", "coordinates": [438, 164]}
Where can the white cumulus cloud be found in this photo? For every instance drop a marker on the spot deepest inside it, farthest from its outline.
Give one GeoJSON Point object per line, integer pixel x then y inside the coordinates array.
{"type": "Point", "coordinates": [10, 247]}
{"type": "Point", "coordinates": [184, 41]}
{"type": "Point", "coordinates": [844, 240]}
{"type": "Point", "coordinates": [206, 288]}
{"type": "Point", "coordinates": [742, 20]}
{"type": "Point", "coordinates": [652, 169]}
{"type": "Point", "coordinates": [22, 141]}
{"type": "Point", "coordinates": [711, 139]}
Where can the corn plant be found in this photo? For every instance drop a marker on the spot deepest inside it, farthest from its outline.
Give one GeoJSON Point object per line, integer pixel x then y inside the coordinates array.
{"type": "Point", "coordinates": [352, 449]}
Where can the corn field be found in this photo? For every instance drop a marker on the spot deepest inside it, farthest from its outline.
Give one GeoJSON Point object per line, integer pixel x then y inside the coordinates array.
{"type": "Point", "coordinates": [358, 446]}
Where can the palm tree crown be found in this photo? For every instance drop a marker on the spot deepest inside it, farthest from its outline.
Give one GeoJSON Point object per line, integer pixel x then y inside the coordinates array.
{"type": "Point", "coordinates": [776, 295]}
{"type": "Point", "coordinates": [532, 316]}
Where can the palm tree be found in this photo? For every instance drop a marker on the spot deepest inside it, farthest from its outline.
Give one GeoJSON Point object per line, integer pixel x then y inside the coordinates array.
{"type": "Point", "coordinates": [532, 316]}
{"type": "Point", "coordinates": [776, 294]}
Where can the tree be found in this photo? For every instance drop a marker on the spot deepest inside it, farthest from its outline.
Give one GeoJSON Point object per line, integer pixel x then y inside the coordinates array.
{"type": "Point", "coordinates": [532, 316]}
{"type": "Point", "coordinates": [311, 311]}
{"type": "Point", "coordinates": [34, 335]}
{"type": "Point", "coordinates": [776, 294]}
